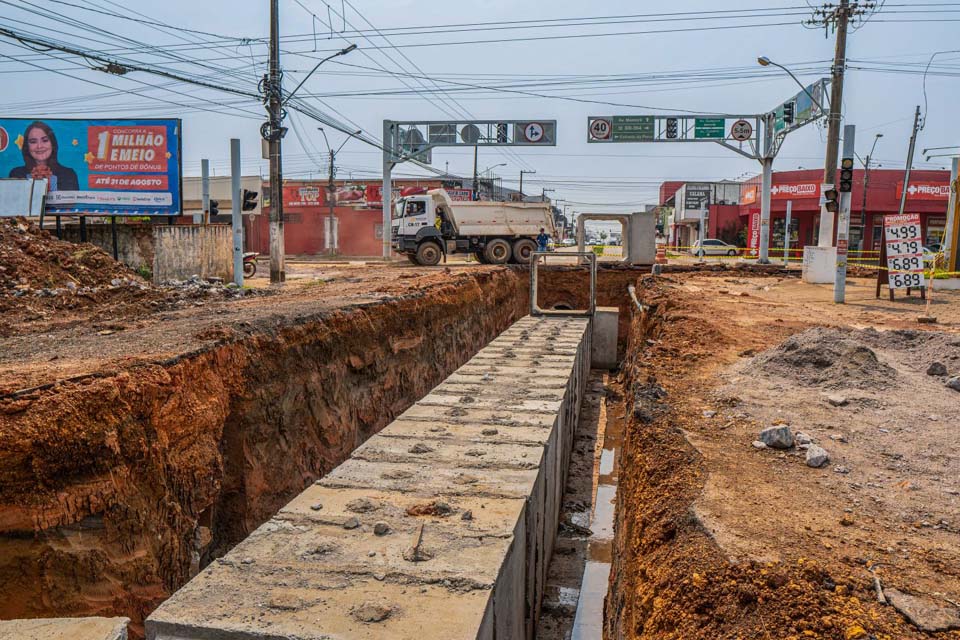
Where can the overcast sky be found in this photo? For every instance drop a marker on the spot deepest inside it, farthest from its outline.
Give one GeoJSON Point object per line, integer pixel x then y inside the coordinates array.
{"type": "Point", "coordinates": [691, 62]}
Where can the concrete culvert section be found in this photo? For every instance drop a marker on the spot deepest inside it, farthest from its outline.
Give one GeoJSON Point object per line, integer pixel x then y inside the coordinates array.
{"type": "Point", "coordinates": [440, 526]}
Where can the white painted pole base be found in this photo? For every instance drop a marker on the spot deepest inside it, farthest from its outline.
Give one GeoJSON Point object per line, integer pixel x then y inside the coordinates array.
{"type": "Point", "coordinates": [819, 265]}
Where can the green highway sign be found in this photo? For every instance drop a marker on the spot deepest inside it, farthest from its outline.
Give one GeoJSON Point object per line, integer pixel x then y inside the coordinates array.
{"type": "Point", "coordinates": [633, 128]}
{"type": "Point", "coordinates": [710, 128]}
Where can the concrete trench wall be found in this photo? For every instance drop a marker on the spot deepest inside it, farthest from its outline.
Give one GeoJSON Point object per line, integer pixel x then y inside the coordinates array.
{"type": "Point", "coordinates": [440, 526]}
{"type": "Point", "coordinates": [115, 490]}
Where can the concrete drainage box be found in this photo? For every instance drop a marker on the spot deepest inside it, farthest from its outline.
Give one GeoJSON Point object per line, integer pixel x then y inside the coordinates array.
{"type": "Point", "coordinates": [439, 527]}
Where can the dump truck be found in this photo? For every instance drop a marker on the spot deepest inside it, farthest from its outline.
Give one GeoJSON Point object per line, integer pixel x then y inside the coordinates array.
{"type": "Point", "coordinates": [428, 226]}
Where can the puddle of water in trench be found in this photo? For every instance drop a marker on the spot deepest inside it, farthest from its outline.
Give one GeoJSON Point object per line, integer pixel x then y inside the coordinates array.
{"type": "Point", "coordinates": [588, 624]}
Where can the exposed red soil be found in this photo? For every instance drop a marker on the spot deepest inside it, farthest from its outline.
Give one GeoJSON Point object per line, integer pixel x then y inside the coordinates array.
{"type": "Point", "coordinates": [674, 576]}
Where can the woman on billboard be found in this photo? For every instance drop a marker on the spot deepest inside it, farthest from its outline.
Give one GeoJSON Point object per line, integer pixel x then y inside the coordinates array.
{"type": "Point", "coordinates": [40, 159]}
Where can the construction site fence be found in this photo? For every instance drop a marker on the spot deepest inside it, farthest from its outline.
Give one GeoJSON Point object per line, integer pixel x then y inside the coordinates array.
{"type": "Point", "coordinates": [867, 259]}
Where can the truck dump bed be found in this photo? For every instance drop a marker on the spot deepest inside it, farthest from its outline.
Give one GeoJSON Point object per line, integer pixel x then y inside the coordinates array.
{"type": "Point", "coordinates": [509, 219]}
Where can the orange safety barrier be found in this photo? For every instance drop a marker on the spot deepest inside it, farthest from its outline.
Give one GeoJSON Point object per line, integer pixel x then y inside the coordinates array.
{"type": "Point", "coordinates": [661, 254]}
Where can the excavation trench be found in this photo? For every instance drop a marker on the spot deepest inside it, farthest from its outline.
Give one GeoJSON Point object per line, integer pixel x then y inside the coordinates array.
{"type": "Point", "coordinates": [115, 490]}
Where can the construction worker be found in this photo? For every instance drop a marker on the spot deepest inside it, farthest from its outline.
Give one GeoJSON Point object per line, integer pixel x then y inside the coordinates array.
{"type": "Point", "coordinates": [542, 240]}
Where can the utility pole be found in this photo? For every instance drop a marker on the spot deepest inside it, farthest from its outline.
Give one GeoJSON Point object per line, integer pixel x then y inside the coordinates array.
{"type": "Point", "coordinates": [523, 171]}
{"type": "Point", "coordinates": [236, 216]}
{"type": "Point", "coordinates": [476, 187]}
{"type": "Point", "coordinates": [205, 189]}
{"type": "Point", "coordinates": [906, 173]}
{"type": "Point", "coordinates": [841, 18]}
{"type": "Point", "coordinates": [273, 132]}
{"type": "Point", "coordinates": [866, 183]}
{"type": "Point", "coordinates": [332, 240]}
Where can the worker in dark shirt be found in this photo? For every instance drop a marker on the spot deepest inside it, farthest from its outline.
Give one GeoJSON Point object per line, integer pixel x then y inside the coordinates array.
{"type": "Point", "coordinates": [542, 239]}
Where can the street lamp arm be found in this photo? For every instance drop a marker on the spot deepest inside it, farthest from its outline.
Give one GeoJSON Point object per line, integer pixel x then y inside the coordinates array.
{"type": "Point", "coordinates": [347, 139]}
{"type": "Point", "coordinates": [765, 61]}
{"type": "Point", "coordinates": [342, 52]}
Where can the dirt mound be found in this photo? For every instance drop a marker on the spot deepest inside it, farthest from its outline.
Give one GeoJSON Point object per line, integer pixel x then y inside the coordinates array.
{"type": "Point", "coordinates": [827, 358]}
{"type": "Point", "coordinates": [31, 257]}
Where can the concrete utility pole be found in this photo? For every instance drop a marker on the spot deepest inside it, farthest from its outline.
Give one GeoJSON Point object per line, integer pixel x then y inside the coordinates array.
{"type": "Point", "coordinates": [205, 189]}
{"type": "Point", "coordinates": [274, 109]}
{"type": "Point", "coordinates": [386, 189]}
{"type": "Point", "coordinates": [866, 182]}
{"type": "Point", "coordinates": [236, 218]}
{"type": "Point", "coordinates": [953, 220]}
{"type": "Point", "coordinates": [476, 187]}
{"type": "Point", "coordinates": [841, 17]}
{"type": "Point", "coordinates": [913, 146]}
{"type": "Point", "coordinates": [843, 222]}
{"type": "Point", "coordinates": [331, 233]}
{"type": "Point", "coordinates": [766, 184]}
{"type": "Point", "coordinates": [523, 171]}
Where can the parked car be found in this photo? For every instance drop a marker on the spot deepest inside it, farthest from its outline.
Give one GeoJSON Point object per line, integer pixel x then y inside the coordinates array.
{"type": "Point", "coordinates": [932, 256]}
{"type": "Point", "coordinates": [713, 247]}
{"type": "Point", "coordinates": [568, 242]}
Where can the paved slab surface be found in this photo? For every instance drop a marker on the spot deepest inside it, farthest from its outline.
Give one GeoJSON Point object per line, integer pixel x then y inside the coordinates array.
{"type": "Point", "coordinates": [441, 526]}
{"type": "Point", "coordinates": [65, 629]}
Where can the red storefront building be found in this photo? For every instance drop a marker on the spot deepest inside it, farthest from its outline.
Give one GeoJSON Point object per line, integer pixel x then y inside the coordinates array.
{"type": "Point", "coordinates": [739, 222]}
{"type": "Point", "coordinates": [355, 227]}
{"type": "Point", "coordinates": [927, 194]}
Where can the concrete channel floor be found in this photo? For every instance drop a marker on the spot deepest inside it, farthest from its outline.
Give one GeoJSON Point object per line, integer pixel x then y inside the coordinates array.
{"type": "Point", "coordinates": [440, 526]}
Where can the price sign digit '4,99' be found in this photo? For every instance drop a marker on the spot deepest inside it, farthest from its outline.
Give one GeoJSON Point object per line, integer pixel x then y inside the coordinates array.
{"type": "Point", "coordinates": [904, 250]}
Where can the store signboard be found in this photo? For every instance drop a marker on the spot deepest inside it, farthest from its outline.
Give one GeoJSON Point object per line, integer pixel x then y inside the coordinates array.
{"type": "Point", "coordinates": [904, 250]}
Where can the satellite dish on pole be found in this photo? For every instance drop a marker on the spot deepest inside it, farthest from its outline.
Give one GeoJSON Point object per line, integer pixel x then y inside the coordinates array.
{"type": "Point", "coordinates": [470, 134]}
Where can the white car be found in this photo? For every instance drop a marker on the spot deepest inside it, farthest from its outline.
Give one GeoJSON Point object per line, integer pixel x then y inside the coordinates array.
{"type": "Point", "coordinates": [713, 247]}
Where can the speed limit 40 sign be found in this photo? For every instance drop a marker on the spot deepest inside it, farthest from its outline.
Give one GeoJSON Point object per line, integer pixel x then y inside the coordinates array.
{"type": "Point", "coordinates": [600, 128]}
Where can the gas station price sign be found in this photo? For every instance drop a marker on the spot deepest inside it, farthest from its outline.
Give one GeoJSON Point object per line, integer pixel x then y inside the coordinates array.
{"type": "Point", "coordinates": [903, 238]}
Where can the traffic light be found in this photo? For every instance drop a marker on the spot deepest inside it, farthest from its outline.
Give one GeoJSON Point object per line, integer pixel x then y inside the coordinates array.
{"type": "Point", "coordinates": [673, 128]}
{"type": "Point", "coordinates": [789, 112]}
{"type": "Point", "coordinates": [846, 175]}
{"type": "Point", "coordinates": [501, 132]}
{"type": "Point", "coordinates": [214, 207]}
{"type": "Point", "coordinates": [830, 200]}
{"type": "Point", "coordinates": [249, 202]}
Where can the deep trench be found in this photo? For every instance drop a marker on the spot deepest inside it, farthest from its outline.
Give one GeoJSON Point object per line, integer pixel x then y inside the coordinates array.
{"type": "Point", "coordinates": [156, 474]}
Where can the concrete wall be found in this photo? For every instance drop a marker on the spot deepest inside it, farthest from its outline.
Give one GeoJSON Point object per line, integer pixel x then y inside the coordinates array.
{"type": "Point", "coordinates": [440, 527]}
{"type": "Point", "coordinates": [170, 252]}
{"type": "Point", "coordinates": [183, 251]}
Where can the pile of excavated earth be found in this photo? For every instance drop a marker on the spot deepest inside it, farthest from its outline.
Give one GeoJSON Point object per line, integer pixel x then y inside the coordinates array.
{"type": "Point", "coordinates": [48, 283]}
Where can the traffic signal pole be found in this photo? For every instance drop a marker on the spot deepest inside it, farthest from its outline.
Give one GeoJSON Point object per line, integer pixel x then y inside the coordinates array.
{"type": "Point", "coordinates": [766, 186]}
{"type": "Point", "coordinates": [236, 218]}
{"type": "Point", "coordinates": [843, 220]}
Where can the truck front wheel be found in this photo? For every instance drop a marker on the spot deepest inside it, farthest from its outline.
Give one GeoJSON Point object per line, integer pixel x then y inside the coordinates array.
{"type": "Point", "coordinates": [497, 251]}
{"type": "Point", "coordinates": [429, 254]}
{"type": "Point", "coordinates": [523, 250]}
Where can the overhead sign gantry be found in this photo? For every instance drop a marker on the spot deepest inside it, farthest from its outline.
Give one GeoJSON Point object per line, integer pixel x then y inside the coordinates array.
{"type": "Point", "coordinates": [416, 139]}
{"type": "Point", "coordinates": [758, 136]}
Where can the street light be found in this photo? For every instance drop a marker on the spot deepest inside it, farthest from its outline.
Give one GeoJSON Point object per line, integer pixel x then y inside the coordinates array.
{"type": "Point", "coordinates": [342, 52]}
{"type": "Point", "coordinates": [486, 171]}
{"type": "Point", "coordinates": [764, 61]}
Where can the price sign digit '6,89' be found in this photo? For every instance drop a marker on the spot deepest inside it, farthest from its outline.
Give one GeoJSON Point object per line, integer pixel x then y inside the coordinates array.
{"type": "Point", "coordinates": [904, 250]}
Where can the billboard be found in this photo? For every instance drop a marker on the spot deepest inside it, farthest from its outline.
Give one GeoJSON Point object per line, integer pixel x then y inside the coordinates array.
{"type": "Point", "coordinates": [102, 167]}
